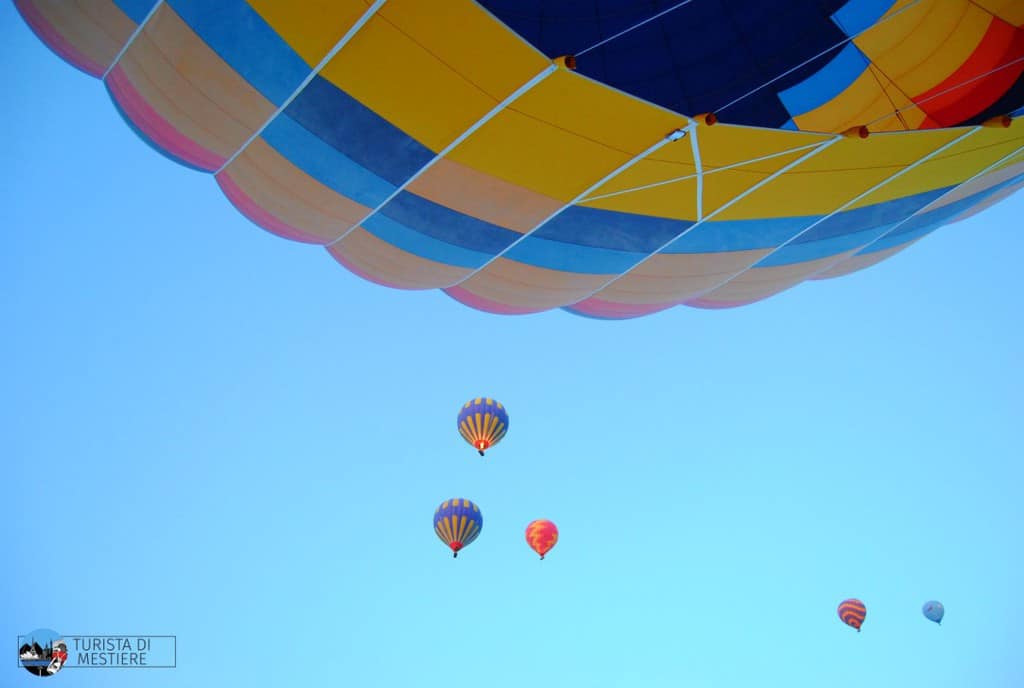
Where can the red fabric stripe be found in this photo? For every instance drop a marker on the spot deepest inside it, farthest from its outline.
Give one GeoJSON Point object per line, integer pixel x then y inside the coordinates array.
{"type": "Point", "coordinates": [1001, 44]}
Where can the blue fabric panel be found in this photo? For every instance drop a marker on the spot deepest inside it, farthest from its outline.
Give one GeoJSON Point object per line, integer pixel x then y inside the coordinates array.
{"type": "Point", "coordinates": [887, 213]}
{"type": "Point", "coordinates": [135, 9]}
{"type": "Point", "coordinates": [610, 229]}
{"type": "Point", "coordinates": [828, 83]}
{"type": "Point", "coordinates": [357, 132]}
{"type": "Point", "coordinates": [950, 210]}
{"type": "Point", "coordinates": [801, 253]}
{"type": "Point", "coordinates": [555, 255]}
{"type": "Point", "coordinates": [739, 235]}
{"type": "Point", "coordinates": [324, 163]}
{"type": "Point", "coordinates": [451, 226]}
{"type": "Point", "coordinates": [148, 141]}
{"type": "Point", "coordinates": [917, 227]}
{"type": "Point", "coordinates": [857, 15]}
{"type": "Point", "coordinates": [420, 244]}
{"type": "Point", "coordinates": [237, 33]}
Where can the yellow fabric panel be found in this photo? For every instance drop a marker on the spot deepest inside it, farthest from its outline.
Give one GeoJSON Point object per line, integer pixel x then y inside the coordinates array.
{"type": "Point", "coordinates": [760, 283]}
{"type": "Point", "coordinates": [989, 202]}
{"type": "Point", "coordinates": [384, 263]}
{"type": "Point", "coordinates": [667, 164]}
{"type": "Point", "coordinates": [181, 78]}
{"type": "Point", "coordinates": [1010, 11]}
{"type": "Point", "coordinates": [1012, 168]}
{"type": "Point", "coordinates": [1012, 161]}
{"type": "Point", "coordinates": [95, 29]}
{"type": "Point", "coordinates": [530, 287]}
{"type": "Point", "coordinates": [923, 46]}
{"type": "Point", "coordinates": [677, 200]}
{"type": "Point", "coordinates": [429, 80]}
{"type": "Point", "coordinates": [311, 27]}
{"type": "Point", "coordinates": [564, 135]}
{"type": "Point", "coordinates": [720, 146]}
{"type": "Point", "coordinates": [837, 175]}
{"type": "Point", "coordinates": [902, 114]}
{"type": "Point", "coordinates": [863, 101]}
{"type": "Point", "coordinates": [723, 145]}
{"type": "Point", "coordinates": [672, 277]}
{"type": "Point", "coordinates": [951, 167]}
{"type": "Point", "coordinates": [292, 196]}
{"type": "Point", "coordinates": [488, 198]}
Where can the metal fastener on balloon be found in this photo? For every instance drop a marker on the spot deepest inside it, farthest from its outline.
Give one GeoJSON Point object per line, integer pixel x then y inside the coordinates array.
{"type": "Point", "coordinates": [858, 132]}
{"type": "Point", "coordinates": [567, 61]}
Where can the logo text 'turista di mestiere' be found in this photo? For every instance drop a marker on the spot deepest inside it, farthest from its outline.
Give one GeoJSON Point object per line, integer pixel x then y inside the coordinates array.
{"type": "Point", "coordinates": [121, 651]}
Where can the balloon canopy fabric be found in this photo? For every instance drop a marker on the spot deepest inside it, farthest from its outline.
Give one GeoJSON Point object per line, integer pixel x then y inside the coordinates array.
{"type": "Point", "coordinates": [541, 535]}
{"type": "Point", "coordinates": [524, 155]}
{"type": "Point", "coordinates": [933, 611]}
{"type": "Point", "coordinates": [853, 612]}
{"type": "Point", "coordinates": [458, 522]}
{"type": "Point", "coordinates": [483, 422]}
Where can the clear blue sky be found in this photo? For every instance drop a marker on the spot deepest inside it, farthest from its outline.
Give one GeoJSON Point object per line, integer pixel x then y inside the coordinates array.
{"type": "Point", "coordinates": [233, 438]}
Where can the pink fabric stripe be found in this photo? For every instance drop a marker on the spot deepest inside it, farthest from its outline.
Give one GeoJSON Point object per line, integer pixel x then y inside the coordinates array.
{"type": "Point", "coordinates": [710, 303]}
{"type": "Point", "coordinates": [259, 215]}
{"type": "Point", "coordinates": [159, 130]}
{"type": "Point", "coordinates": [54, 40]}
{"type": "Point", "coordinates": [481, 304]}
{"type": "Point", "coordinates": [600, 308]}
{"type": "Point", "coordinates": [335, 252]}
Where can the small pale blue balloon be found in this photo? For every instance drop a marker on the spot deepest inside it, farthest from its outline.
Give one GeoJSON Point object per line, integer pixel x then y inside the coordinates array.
{"type": "Point", "coordinates": [933, 611]}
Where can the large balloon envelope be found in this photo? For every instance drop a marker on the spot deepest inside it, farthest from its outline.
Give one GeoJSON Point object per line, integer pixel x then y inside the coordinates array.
{"type": "Point", "coordinates": [524, 155]}
{"type": "Point", "coordinates": [933, 611]}
{"type": "Point", "coordinates": [852, 612]}
{"type": "Point", "coordinates": [457, 523]}
{"type": "Point", "coordinates": [483, 422]}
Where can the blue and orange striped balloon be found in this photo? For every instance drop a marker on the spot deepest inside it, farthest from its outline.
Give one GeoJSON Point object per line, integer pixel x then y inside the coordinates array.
{"type": "Point", "coordinates": [483, 422]}
{"type": "Point", "coordinates": [458, 522]}
{"type": "Point", "coordinates": [853, 612]}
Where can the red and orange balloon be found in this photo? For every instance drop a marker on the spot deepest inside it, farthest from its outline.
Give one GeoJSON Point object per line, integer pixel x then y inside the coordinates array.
{"type": "Point", "coordinates": [541, 536]}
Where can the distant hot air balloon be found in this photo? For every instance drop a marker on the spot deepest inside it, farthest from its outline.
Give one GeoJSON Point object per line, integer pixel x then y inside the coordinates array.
{"type": "Point", "coordinates": [482, 423]}
{"type": "Point", "coordinates": [458, 522]}
{"type": "Point", "coordinates": [852, 612]}
{"type": "Point", "coordinates": [933, 611]}
{"type": "Point", "coordinates": [541, 535]}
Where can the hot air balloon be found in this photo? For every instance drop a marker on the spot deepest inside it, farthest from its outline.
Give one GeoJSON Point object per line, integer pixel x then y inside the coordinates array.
{"type": "Point", "coordinates": [541, 536]}
{"type": "Point", "coordinates": [852, 612]}
{"type": "Point", "coordinates": [483, 422]}
{"type": "Point", "coordinates": [457, 522]}
{"type": "Point", "coordinates": [639, 156]}
{"type": "Point", "coordinates": [933, 611]}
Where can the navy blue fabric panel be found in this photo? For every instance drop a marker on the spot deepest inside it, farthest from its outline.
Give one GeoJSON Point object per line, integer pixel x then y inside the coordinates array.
{"type": "Point", "coordinates": [613, 230]}
{"type": "Point", "coordinates": [694, 59]}
{"type": "Point", "coordinates": [451, 226]}
{"type": "Point", "coordinates": [1010, 101]}
{"type": "Point", "coordinates": [357, 132]}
